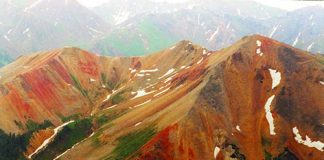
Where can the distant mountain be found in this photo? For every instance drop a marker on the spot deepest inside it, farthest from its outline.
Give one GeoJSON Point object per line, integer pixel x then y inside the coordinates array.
{"type": "Point", "coordinates": [213, 24]}
{"type": "Point", "coordinates": [185, 102]}
{"type": "Point", "coordinates": [48, 24]}
{"type": "Point", "coordinates": [302, 28]}
{"type": "Point", "coordinates": [153, 32]}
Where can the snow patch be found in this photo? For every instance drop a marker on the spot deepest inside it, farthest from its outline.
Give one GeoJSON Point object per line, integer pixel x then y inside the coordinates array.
{"type": "Point", "coordinates": [182, 67]}
{"type": "Point", "coordinates": [169, 79]}
{"type": "Point", "coordinates": [161, 92]}
{"type": "Point", "coordinates": [6, 37]}
{"type": "Point", "coordinates": [96, 31]}
{"type": "Point", "coordinates": [200, 60]}
{"type": "Point", "coordinates": [308, 142]}
{"type": "Point", "coordinates": [276, 77]}
{"type": "Point", "coordinates": [149, 71]}
{"type": "Point", "coordinates": [132, 70]}
{"type": "Point", "coordinates": [322, 83]}
{"type": "Point", "coordinates": [141, 93]}
{"type": "Point", "coordinates": [142, 103]}
{"type": "Point", "coordinates": [310, 46]}
{"type": "Point", "coordinates": [204, 52]}
{"type": "Point", "coordinates": [32, 5]}
{"type": "Point", "coordinates": [111, 107]}
{"type": "Point", "coordinates": [137, 124]}
{"type": "Point", "coordinates": [92, 80]}
{"type": "Point", "coordinates": [258, 51]}
{"type": "Point", "coordinates": [173, 47]}
{"type": "Point", "coordinates": [50, 139]}
{"type": "Point", "coordinates": [121, 16]}
{"type": "Point", "coordinates": [9, 31]}
{"type": "Point", "coordinates": [297, 39]}
{"type": "Point", "coordinates": [313, 23]}
{"type": "Point", "coordinates": [212, 37]}
{"type": "Point", "coordinates": [228, 25]}
{"type": "Point", "coordinates": [311, 17]}
{"type": "Point", "coordinates": [258, 43]}
{"type": "Point", "coordinates": [140, 75]}
{"type": "Point", "coordinates": [107, 98]}
{"type": "Point", "coordinates": [170, 71]}
{"type": "Point", "coordinates": [238, 128]}
{"type": "Point", "coordinates": [238, 11]}
{"type": "Point", "coordinates": [273, 31]}
{"type": "Point", "coordinates": [25, 31]}
{"type": "Point", "coordinates": [216, 151]}
{"type": "Point", "coordinates": [269, 115]}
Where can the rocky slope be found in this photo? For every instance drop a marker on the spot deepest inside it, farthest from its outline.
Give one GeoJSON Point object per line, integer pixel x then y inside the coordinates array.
{"type": "Point", "coordinates": [258, 99]}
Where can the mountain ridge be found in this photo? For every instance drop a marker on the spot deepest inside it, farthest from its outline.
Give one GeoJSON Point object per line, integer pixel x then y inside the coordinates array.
{"type": "Point", "coordinates": [184, 102]}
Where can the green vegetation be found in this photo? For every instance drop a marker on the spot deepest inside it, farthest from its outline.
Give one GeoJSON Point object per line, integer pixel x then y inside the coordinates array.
{"type": "Point", "coordinates": [68, 118]}
{"type": "Point", "coordinates": [78, 85]}
{"type": "Point", "coordinates": [33, 126]}
{"type": "Point", "coordinates": [95, 138]}
{"type": "Point", "coordinates": [285, 155]}
{"type": "Point", "coordinates": [13, 146]}
{"type": "Point", "coordinates": [117, 98]}
{"type": "Point", "coordinates": [265, 141]}
{"type": "Point", "coordinates": [109, 116]}
{"type": "Point", "coordinates": [109, 84]}
{"type": "Point", "coordinates": [320, 58]}
{"type": "Point", "coordinates": [157, 38]}
{"type": "Point", "coordinates": [105, 119]}
{"type": "Point", "coordinates": [19, 124]}
{"type": "Point", "coordinates": [130, 143]}
{"type": "Point", "coordinates": [101, 120]}
{"type": "Point", "coordinates": [267, 155]}
{"type": "Point", "coordinates": [146, 37]}
{"type": "Point", "coordinates": [66, 138]}
{"type": "Point", "coordinates": [237, 155]}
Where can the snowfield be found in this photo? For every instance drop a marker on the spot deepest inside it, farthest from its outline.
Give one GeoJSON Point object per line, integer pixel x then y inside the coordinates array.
{"type": "Point", "coordinates": [276, 77]}
{"type": "Point", "coordinates": [141, 93]}
{"type": "Point", "coordinates": [170, 71]}
{"type": "Point", "coordinates": [308, 142]}
{"type": "Point", "coordinates": [269, 115]}
{"type": "Point", "coordinates": [216, 151]}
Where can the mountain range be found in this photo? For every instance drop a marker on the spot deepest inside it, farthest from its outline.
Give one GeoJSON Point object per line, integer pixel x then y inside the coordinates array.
{"type": "Point", "coordinates": [257, 99]}
{"type": "Point", "coordinates": [140, 27]}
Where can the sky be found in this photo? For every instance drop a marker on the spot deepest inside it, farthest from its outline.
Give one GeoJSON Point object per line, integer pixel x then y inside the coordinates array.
{"type": "Point", "coordinates": [289, 4]}
{"type": "Point", "coordinates": [283, 4]}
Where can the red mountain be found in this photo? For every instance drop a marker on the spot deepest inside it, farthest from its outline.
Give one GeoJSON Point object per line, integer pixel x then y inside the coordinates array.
{"type": "Point", "coordinates": [258, 99]}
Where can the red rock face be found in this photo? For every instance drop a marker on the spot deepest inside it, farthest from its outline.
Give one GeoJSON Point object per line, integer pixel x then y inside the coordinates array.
{"type": "Point", "coordinates": [162, 142]}
{"type": "Point", "coordinates": [47, 91]}
{"type": "Point", "coordinates": [20, 106]}
{"type": "Point", "coordinates": [88, 64]}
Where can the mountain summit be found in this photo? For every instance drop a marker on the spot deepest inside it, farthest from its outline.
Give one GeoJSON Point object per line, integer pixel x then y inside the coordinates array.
{"type": "Point", "coordinates": [257, 99]}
